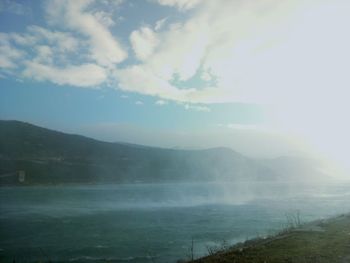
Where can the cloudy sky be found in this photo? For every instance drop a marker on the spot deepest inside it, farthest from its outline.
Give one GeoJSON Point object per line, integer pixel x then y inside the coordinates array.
{"type": "Point", "coordinates": [262, 76]}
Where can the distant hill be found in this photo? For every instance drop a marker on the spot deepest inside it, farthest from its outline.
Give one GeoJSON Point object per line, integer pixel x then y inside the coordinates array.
{"type": "Point", "coordinates": [51, 157]}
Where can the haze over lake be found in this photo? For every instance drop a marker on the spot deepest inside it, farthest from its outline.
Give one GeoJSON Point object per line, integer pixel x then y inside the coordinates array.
{"type": "Point", "coordinates": [71, 198]}
{"type": "Point", "coordinates": [152, 222]}
{"type": "Point", "coordinates": [162, 130]}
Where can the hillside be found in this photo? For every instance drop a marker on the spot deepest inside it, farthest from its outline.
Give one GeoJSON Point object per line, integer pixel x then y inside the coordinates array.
{"type": "Point", "coordinates": [51, 157]}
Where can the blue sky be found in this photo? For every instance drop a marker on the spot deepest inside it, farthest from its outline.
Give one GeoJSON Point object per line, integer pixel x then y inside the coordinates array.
{"type": "Point", "coordinates": [180, 73]}
{"type": "Point", "coordinates": [68, 107]}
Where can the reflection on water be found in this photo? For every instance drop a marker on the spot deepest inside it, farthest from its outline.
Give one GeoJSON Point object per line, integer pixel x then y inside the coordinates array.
{"type": "Point", "coordinates": [145, 223]}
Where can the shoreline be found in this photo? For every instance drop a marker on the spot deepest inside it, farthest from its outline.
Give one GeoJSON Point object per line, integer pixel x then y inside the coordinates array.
{"type": "Point", "coordinates": [320, 241]}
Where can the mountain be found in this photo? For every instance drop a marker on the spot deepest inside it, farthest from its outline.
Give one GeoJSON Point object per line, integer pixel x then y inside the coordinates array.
{"type": "Point", "coordinates": [50, 157]}
{"type": "Point", "coordinates": [301, 169]}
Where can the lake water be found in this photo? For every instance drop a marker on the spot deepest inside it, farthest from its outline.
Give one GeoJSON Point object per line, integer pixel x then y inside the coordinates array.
{"type": "Point", "coordinates": [151, 223]}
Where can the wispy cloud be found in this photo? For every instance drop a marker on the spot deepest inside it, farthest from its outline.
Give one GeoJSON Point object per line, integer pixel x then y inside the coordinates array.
{"type": "Point", "coordinates": [197, 108]}
{"type": "Point", "coordinates": [180, 4]}
{"type": "Point", "coordinates": [204, 43]}
{"type": "Point", "coordinates": [9, 55]}
{"type": "Point", "coordinates": [86, 75]}
{"type": "Point", "coordinates": [74, 15]}
{"type": "Point", "coordinates": [205, 46]}
{"type": "Point", "coordinates": [230, 51]}
{"type": "Point", "coordinates": [13, 7]}
{"type": "Point", "coordinates": [160, 24]}
{"type": "Point", "coordinates": [144, 41]}
{"type": "Point", "coordinates": [61, 41]}
{"type": "Point", "coordinates": [76, 48]}
{"type": "Point", "coordinates": [290, 56]}
{"type": "Point", "coordinates": [161, 102]}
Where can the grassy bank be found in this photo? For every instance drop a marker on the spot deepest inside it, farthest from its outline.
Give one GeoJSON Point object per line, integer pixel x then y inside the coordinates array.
{"type": "Point", "coordinates": [316, 242]}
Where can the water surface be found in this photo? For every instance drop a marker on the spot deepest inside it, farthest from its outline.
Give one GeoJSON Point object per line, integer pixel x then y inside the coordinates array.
{"type": "Point", "coordinates": [151, 223]}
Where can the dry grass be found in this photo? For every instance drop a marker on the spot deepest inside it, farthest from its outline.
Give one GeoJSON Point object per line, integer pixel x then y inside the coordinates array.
{"type": "Point", "coordinates": [317, 242]}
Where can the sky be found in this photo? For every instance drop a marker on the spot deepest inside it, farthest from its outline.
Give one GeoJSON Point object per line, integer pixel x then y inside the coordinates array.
{"type": "Point", "coordinates": [265, 77]}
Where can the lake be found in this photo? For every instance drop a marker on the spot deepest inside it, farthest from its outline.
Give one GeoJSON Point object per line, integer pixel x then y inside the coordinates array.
{"type": "Point", "coordinates": [152, 222]}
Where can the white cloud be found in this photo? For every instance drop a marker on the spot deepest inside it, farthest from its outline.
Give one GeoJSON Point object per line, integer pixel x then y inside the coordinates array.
{"type": "Point", "coordinates": [139, 103]}
{"type": "Point", "coordinates": [206, 76]}
{"type": "Point", "coordinates": [161, 102]}
{"type": "Point", "coordinates": [180, 4]}
{"type": "Point", "coordinates": [212, 43]}
{"type": "Point", "coordinates": [44, 54]}
{"type": "Point", "coordinates": [240, 126]}
{"type": "Point", "coordinates": [86, 75]}
{"type": "Point", "coordinates": [143, 42]}
{"type": "Point", "coordinates": [139, 79]}
{"type": "Point", "coordinates": [160, 24]}
{"type": "Point", "coordinates": [183, 47]}
{"type": "Point", "coordinates": [197, 108]}
{"type": "Point", "coordinates": [245, 54]}
{"type": "Point", "coordinates": [13, 7]}
{"type": "Point", "coordinates": [104, 18]}
{"type": "Point", "coordinates": [62, 41]}
{"type": "Point", "coordinates": [291, 56]}
{"type": "Point", "coordinates": [47, 58]}
{"type": "Point", "coordinates": [9, 55]}
{"type": "Point", "coordinates": [179, 52]}
{"type": "Point", "coordinates": [251, 50]}
{"type": "Point", "coordinates": [45, 46]}
{"type": "Point", "coordinates": [64, 57]}
{"type": "Point", "coordinates": [104, 48]}
{"type": "Point", "coordinates": [22, 39]}
{"type": "Point", "coordinates": [6, 62]}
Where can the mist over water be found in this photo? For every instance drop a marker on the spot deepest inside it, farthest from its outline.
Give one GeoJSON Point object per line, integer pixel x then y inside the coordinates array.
{"type": "Point", "coordinates": [152, 222]}
{"type": "Point", "coordinates": [245, 101]}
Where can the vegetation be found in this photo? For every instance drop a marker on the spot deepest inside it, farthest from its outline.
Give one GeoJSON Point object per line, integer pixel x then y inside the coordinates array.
{"type": "Point", "coordinates": [322, 241]}
{"type": "Point", "coordinates": [51, 157]}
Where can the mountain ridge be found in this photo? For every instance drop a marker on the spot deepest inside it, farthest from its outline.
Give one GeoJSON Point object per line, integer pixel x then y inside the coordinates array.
{"type": "Point", "coordinates": [53, 157]}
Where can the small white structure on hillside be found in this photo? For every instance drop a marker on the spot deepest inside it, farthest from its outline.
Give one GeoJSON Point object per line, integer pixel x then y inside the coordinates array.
{"type": "Point", "coordinates": [21, 176]}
